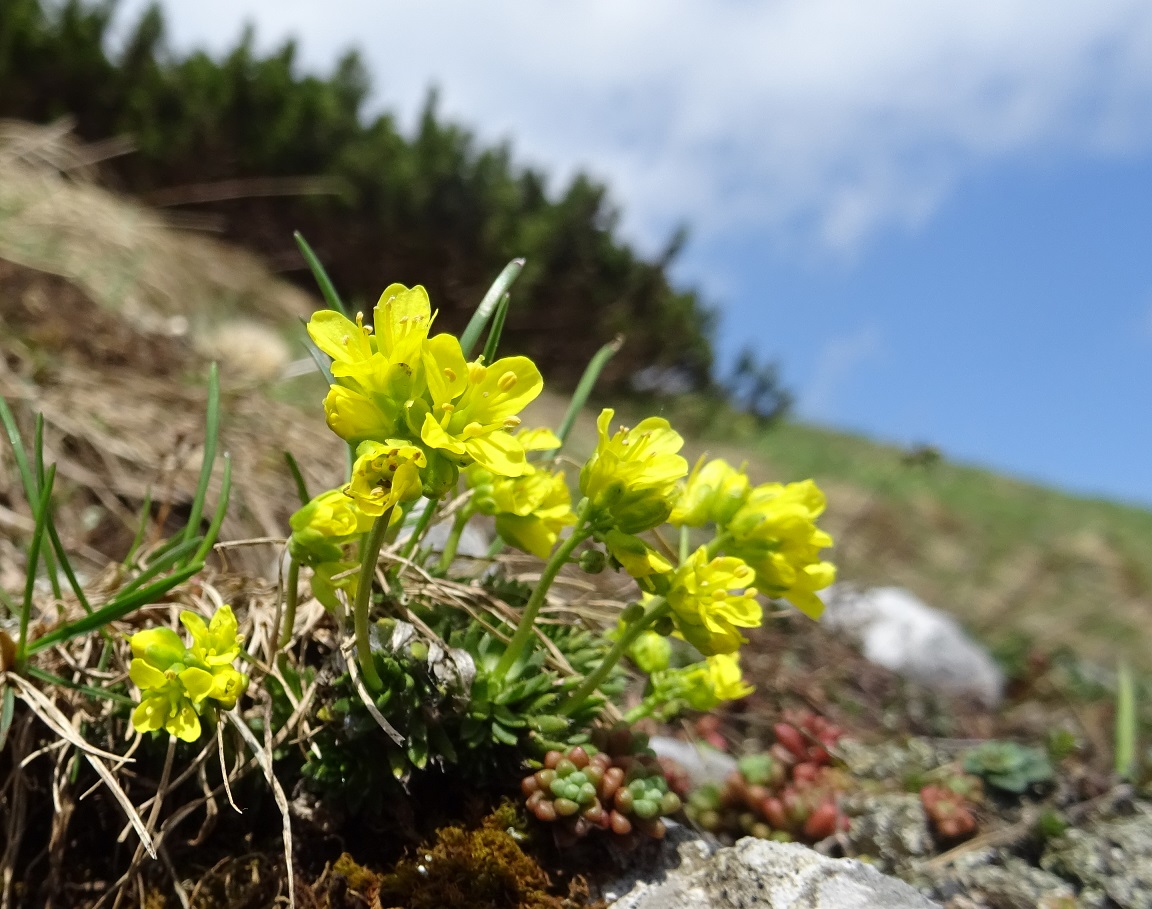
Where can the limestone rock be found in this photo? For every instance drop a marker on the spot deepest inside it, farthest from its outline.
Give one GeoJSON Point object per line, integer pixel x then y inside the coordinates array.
{"type": "Point", "coordinates": [890, 828]}
{"type": "Point", "coordinates": [900, 632]}
{"type": "Point", "coordinates": [1112, 858]}
{"type": "Point", "coordinates": [760, 874]}
{"type": "Point", "coordinates": [987, 878]}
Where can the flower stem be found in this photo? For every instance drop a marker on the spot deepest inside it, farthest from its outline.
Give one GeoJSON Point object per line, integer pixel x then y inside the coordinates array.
{"type": "Point", "coordinates": [418, 531]}
{"type": "Point", "coordinates": [656, 608]}
{"type": "Point", "coordinates": [685, 543]}
{"type": "Point", "coordinates": [453, 541]}
{"type": "Point", "coordinates": [369, 555]}
{"type": "Point", "coordinates": [557, 561]}
{"type": "Point", "coordinates": [291, 597]}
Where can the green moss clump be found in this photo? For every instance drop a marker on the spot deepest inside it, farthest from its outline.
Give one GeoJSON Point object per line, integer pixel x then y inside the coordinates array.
{"type": "Point", "coordinates": [482, 869]}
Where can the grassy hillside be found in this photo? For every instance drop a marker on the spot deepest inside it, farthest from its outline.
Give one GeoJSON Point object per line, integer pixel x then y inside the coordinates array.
{"type": "Point", "coordinates": [1004, 555]}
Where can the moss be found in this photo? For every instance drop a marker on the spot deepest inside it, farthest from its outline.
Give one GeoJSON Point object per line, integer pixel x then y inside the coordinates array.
{"type": "Point", "coordinates": [482, 869]}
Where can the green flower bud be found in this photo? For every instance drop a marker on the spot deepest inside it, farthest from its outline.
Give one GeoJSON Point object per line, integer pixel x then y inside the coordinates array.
{"type": "Point", "coordinates": [593, 561]}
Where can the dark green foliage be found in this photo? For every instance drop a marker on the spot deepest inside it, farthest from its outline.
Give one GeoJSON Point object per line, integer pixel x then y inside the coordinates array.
{"type": "Point", "coordinates": [1008, 766]}
{"type": "Point", "coordinates": [233, 136]}
{"type": "Point", "coordinates": [448, 709]}
{"type": "Point", "coordinates": [755, 388]}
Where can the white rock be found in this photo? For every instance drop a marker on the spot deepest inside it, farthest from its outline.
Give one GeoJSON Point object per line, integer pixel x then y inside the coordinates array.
{"type": "Point", "coordinates": [761, 874]}
{"type": "Point", "coordinates": [900, 632]}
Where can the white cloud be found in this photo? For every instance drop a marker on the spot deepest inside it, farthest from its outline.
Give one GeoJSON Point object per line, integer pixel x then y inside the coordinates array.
{"type": "Point", "coordinates": [840, 358]}
{"type": "Point", "coordinates": [826, 120]}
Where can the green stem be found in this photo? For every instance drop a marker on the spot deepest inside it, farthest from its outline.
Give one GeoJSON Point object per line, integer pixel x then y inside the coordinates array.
{"type": "Point", "coordinates": [656, 608]}
{"type": "Point", "coordinates": [418, 531]}
{"type": "Point", "coordinates": [453, 542]}
{"type": "Point", "coordinates": [717, 543]}
{"type": "Point", "coordinates": [369, 555]}
{"type": "Point", "coordinates": [557, 561]}
{"type": "Point", "coordinates": [685, 542]}
{"type": "Point", "coordinates": [291, 597]}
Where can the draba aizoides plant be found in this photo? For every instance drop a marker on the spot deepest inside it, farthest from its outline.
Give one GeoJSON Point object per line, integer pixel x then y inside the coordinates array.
{"type": "Point", "coordinates": [434, 435]}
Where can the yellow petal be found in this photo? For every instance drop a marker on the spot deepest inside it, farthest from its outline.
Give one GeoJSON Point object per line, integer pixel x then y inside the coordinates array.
{"type": "Point", "coordinates": [161, 647]}
{"type": "Point", "coordinates": [343, 340]}
{"type": "Point", "coordinates": [509, 385]}
{"type": "Point", "coordinates": [400, 313]}
{"type": "Point", "coordinates": [185, 725]}
{"type": "Point", "coordinates": [445, 369]}
{"type": "Point", "coordinates": [433, 435]}
{"type": "Point", "coordinates": [145, 676]}
{"type": "Point", "coordinates": [151, 714]}
{"type": "Point", "coordinates": [498, 452]}
{"type": "Point", "coordinates": [197, 683]}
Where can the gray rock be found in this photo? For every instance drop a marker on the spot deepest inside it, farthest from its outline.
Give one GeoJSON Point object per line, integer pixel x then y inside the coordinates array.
{"type": "Point", "coordinates": [900, 632]}
{"type": "Point", "coordinates": [761, 874]}
{"type": "Point", "coordinates": [986, 878]}
{"type": "Point", "coordinates": [891, 761]}
{"type": "Point", "coordinates": [1112, 857]}
{"type": "Point", "coordinates": [890, 828]}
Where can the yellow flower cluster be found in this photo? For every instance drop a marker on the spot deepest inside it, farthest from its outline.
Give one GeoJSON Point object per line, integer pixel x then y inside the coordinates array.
{"type": "Point", "coordinates": [771, 527]}
{"type": "Point", "coordinates": [700, 686]}
{"type": "Point", "coordinates": [766, 537]}
{"type": "Point", "coordinates": [177, 683]}
{"type": "Point", "coordinates": [711, 599]}
{"type": "Point", "coordinates": [397, 387]}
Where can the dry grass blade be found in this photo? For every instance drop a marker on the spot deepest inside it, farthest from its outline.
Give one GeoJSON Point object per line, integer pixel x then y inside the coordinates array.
{"type": "Point", "coordinates": [265, 759]}
{"type": "Point", "coordinates": [51, 716]}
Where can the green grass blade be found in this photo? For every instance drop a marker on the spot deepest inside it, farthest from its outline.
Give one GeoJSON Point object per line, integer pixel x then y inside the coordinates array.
{"type": "Point", "coordinates": [587, 383]}
{"type": "Point", "coordinates": [211, 436]}
{"type": "Point", "coordinates": [497, 329]}
{"type": "Point", "coordinates": [1126, 722]}
{"type": "Point", "coordinates": [141, 529]}
{"type": "Point", "coordinates": [58, 548]}
{"type": "Point", "coordinates": [27, 478]}
{"type": "Point", "coordinates": [327, 288]}
{"type": "Point", "coordinates": [38, 452]}
{"type": "Point", "coordinates": [34, 560]}
{"type": "Point", "coordinates": [488, 305]}
{"type": "Point", "coordinates": [172, 557]}
{"type": "Point", "coordinates": [297, 478]}
{"type": "Point", "coordinates": [7, 711]}
{"type": "Point", "coordinates": [6, 602]}
{"type": "Point", "coordinates": [320, 359]}
{"type": "Point", "coordinates": [221, 509]}
{"type": "Point", "coordinates": [117, 609]}
{"type": "Point", "coordinates": [106, 695]}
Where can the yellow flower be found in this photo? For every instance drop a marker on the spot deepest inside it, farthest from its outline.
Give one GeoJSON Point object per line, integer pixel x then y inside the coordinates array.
{"type": "Point", "coordinates": [216, 643]}
{"type": "Point", "coordinates": [631, 479]}
{"type": "Point", "coordinates": [474, 406]}
{"type": "Point", "coordinates": [375, 375]}
{"type": "Point", "coordinates": [706, 685]}
{"type": "Point", "coordinates": [711, 600]}
{"type": "Point", "coordinates": [775, 532]}
{"type": "Point", "coordinates": [321, 527]}
{"type": "Point", "coordinates": [176, 682]}
{"type": "Point", "coordinates": [530, 510]}
{"type": "Point", "coordinates": [384, 475]}
{"type": "Point", "coordinates": [635, 556]}
{"type": "Point", "coordinates": [713, 493]}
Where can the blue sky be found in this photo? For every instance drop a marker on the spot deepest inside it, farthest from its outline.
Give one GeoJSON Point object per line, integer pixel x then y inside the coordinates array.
{"type": "Point", "coordinates": [938, 216]}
